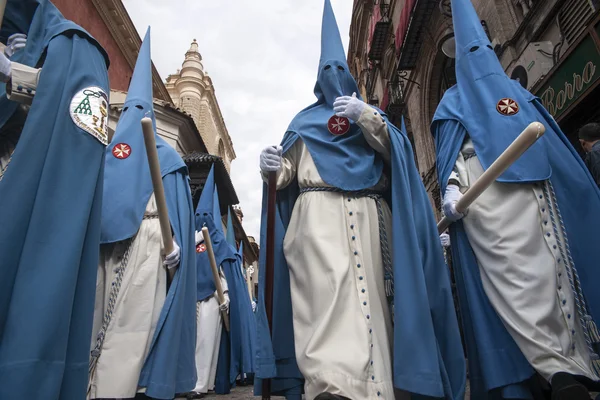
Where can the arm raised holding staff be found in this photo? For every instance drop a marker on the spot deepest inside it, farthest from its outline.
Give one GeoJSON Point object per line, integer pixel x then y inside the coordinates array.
{"type": "Point", "coordinates": [524, 231]}
{"type": "Point", "coordinates": [144, 331]}
{"type": "Point", "coordinates": [212, 289]}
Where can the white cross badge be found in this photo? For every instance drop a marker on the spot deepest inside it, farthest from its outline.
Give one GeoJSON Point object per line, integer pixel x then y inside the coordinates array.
{"type": "Point", "coordinates": [338, 125]}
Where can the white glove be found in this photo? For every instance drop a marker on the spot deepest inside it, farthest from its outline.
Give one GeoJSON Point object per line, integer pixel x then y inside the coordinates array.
{"type": "Point", "coordinates": [451, 197]}
{"type": "Point", "coordinates": [15, 43]}
{"type": "Point", "coordinates": [5, 68]}
{"type": "Point", "coordinates": [225, 306]}
{"type": "Point", "coordinates": [349, 107]}
{"type": "Point", "coordinates": [172, 260]}
{"type": "Point", "coordinates": [445, 240]}
{"type": "Point", "coordinates": [199, 237]}
{"type": "Point", "coordinates": [270, 159]}
{"type": "Point", "coordinates": [253, 306]}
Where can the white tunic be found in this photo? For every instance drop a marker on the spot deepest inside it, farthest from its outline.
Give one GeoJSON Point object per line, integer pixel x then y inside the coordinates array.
{"type": "Point", "coordinates": [137, 309]}
{"type": "Point", "coordinates": [342, 324]}
{"type": "Point", "coordinates": [522, 272]}
{"type": "Point", "coordinates": [208, 340]}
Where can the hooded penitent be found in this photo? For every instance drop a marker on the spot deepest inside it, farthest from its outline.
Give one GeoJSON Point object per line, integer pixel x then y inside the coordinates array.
{"type": "Point", "coordinates": [170, 366]}
{"type": "Point", "coordinates": [493, 110]}
{"type": "Point", "coordinates": [208, 214]}
{"type": "Point", "coordinates": [428, 358]}
{"type": "Point", "coordinates": [236, 355]}
{"type": "Point", "coordinates": [50, 203]}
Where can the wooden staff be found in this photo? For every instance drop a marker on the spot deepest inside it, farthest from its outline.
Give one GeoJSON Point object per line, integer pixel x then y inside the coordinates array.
{"type": "Point", "coordinates": [2, 8]}
{"type": "Point", "coordinates": [159, 190]}
{"type": "Point", "coordinates": [215, 272]}
{"type": "Point", "coordinates": [270, 265]}
{"type": "Point", "coordinates": [524, 141]}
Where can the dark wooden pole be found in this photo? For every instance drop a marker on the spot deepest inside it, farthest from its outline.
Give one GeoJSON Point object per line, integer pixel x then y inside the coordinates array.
{"type": "Point", "coordinates": [270, 265]}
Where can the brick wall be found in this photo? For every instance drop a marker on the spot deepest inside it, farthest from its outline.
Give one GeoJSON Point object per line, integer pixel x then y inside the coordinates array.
{"type": "Point", "coordinates": [84, 13]}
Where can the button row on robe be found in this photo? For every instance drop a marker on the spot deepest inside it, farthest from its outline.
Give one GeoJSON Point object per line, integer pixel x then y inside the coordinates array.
{"type": "Point", "coordinates": [361, 278]}
{"type": "Point", "coordinates": [543, 204]}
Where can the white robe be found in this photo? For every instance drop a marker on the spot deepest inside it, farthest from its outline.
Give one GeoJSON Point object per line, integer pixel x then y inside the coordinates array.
{"type": "Point", "coordinates": [522, 272]}
{"type": "Point", "coordinates": [342, 324]}
{"type": "Point", "coordinates": [137, 310]}
{"type": "Point", "coordinates": [208, 340]}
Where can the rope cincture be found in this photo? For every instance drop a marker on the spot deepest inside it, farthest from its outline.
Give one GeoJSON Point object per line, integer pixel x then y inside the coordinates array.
{"type": "Point", "coordinates": [589, 328]}
{"type": "Point", "coordinates": [3, 170]}
{"type": "Point", "coordinates": [112, 300]}
{"type": "Point", "coordinates": [386, 256]}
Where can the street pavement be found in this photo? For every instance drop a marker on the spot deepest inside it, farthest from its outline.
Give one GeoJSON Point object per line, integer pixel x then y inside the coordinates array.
{"type": "Point", "coordinates": [245, 393]}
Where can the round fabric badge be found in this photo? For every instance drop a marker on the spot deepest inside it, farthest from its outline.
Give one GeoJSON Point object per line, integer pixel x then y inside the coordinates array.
{"type": "Point", "coordinates": [338, 125]}
{"type": "Point", "coordinates": [121, 151]}
{"type": "Point", "coordinates": [507, 106]}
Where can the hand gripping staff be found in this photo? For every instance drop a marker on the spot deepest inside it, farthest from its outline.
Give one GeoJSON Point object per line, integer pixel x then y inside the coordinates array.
{"type": "Point", "coordinates": [270, 265]}
{"type": "Point", "coordinates": [159, 190]}
{"type": "Point", "coordinates": [215, 272]}
{"type": "Point", "coordinates": [524, 141]}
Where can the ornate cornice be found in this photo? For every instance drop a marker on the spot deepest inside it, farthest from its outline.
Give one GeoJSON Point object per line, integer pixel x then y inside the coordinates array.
{"type": "Point", "coordinates": [121, 28]}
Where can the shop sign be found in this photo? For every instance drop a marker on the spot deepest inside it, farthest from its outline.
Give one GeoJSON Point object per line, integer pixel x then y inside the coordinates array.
{"type": "Point", "coordinates": [576, 74]}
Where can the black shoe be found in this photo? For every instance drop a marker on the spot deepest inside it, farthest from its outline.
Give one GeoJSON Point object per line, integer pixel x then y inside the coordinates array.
{"type": "Point", "coordinates": [565, 387]}
{"type": "Point", "coordinates": [330, 396]}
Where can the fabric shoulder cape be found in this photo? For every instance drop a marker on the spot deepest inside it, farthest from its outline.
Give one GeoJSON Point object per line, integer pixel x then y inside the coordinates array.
{"type": "Point", "coordinates": [496, 365]}
{"type": "Point", "coordinates": [428, 357]}
{"type": "Point", "coordinates": [50, 202]}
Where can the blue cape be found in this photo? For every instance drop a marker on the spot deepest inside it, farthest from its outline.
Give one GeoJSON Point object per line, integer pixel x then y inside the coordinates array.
{"type": "Point", "coordinates": [50, 204]}
{"type": "Point", "coordinates": [496, 365]}
{"type": "Point", "coordinates": [428, 356]}
{"type": "Point", "coordinates": [170, 366]}
{"type": "Point", "coordinates": [208, 214]}
{"type": "Point", "coordinates": [238, 351]}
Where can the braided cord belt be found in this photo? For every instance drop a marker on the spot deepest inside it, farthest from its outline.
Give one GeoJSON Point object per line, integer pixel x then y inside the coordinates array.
{"type": "Point", "coordinates": [386, 256]}
{"type": "Point", "coordinates": [110, 308]}
{"type": "Point", "coordinates": [590, 331]}
{"type": "Point", "coordinates": [3, 170]}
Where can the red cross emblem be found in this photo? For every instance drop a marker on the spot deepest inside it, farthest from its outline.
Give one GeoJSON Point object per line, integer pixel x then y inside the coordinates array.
{"type": "Point", "coordinates": [338, 125]}
{"type": "Point", "coordinates": [121, 151]}
{"type": "Point", "coordinates": [507, 107]}
{"type": "Point", "coordinates": [201, 248]}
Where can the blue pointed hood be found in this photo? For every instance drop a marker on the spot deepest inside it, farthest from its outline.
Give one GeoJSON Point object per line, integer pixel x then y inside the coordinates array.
{"type": "Point", "coordinates": [217, 211]}
{"type": "Point", "coordinates": [140, 87]}
{"type": "Point", "coordinates": [403, 126]}
{"type": "Point", "coordinates": [205, 204]}
{"type": "Point", "coordinates": [493, 109]}
{"type": "Point", "coordinates": [337, 145]}
{"type": "Point", "coordinates": [230, 231]}
{"type": "Point", "coordinates": [334, 78]}
{"type": "Point", "coordinates": [127, 182]}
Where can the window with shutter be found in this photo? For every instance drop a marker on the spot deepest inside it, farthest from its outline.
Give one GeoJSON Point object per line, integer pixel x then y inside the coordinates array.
{"type": "Point", "coordinates": [573, 16]}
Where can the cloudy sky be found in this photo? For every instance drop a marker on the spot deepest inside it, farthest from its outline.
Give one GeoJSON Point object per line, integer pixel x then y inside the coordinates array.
{"type": "Point", "coordinates": [262, 56]}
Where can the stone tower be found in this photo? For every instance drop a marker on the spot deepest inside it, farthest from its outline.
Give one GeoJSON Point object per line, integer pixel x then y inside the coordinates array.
{"type": "Point", "coordinates": [192, 91]}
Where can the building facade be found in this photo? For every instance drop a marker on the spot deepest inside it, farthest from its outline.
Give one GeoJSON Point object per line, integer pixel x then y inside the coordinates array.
{"type": "Point", "coordinates": [192, 90]}
{"type": "Point", "coordinates": [402, 55]}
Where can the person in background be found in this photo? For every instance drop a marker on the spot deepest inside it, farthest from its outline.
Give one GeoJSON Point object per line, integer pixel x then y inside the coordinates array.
{"type": "Point", "coordinates": [589, 137]}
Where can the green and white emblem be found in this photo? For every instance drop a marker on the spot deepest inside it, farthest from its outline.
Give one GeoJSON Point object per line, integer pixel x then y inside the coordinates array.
{"type": "Point", "coordinates": [89, 111]}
